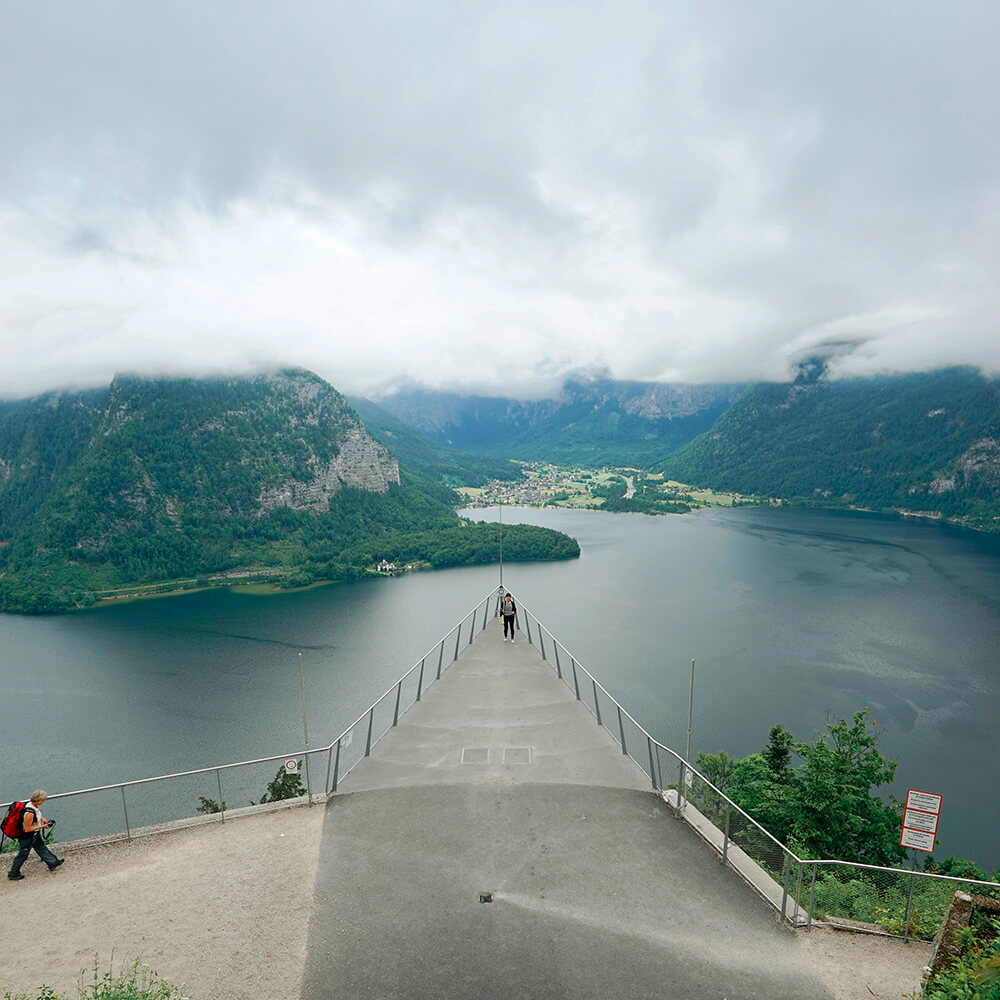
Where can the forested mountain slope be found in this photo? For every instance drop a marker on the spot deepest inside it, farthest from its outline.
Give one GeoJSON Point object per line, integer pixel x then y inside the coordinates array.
{"type": "Point", "coordinates": [926, 442]}
{"type": "Point", "coordinates": [592, 422]}
{"type": "Point", "coordinates": [151, 481]}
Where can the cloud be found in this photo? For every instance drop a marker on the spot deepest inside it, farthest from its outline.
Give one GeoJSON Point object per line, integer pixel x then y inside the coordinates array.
{"type": "Point", "coordinates": [491, 199]}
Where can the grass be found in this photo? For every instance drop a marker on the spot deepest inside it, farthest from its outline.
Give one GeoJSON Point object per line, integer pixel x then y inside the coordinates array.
{"type": "Point", "coordinates": [131, 982]}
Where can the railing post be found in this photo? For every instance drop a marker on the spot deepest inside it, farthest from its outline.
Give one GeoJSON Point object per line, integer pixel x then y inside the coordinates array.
{"type": "Point", "coordinates": [222, 805]}
{"type": "Point", "coordinates": [798, 896]}
{"type": "Point", "coordinates": [395, 714]}
{"type": "Point", "coordinates": [329, 761]}
{"type": "Point", "coordinates": [541, 643]}
{"type": "Point", "coordinates": [128, 832]}
{"type": "Point", "coordinates": [784, 888]}
{"type": "Point", "coordinates": [659, 769]}
{"type": "Point", "coordinates": [472, 627]}
{"type": "Point", "coordinates": [527, 625]}
{"type": "Point", "coordinates": [621, 730]}
{"type": "Point", "coordinates": [486, 611]}
{"type": "Point", "coordinates": [440, 657]}
{"type": "Point", "coordinates": [652, 765]}
{"type": "Point", "coordinates": [812, 896]}
{"type": "Point", "coordinates": [371, 719]}
{"type": "Point", "coordinates": [576, 683]}
{"type": "Point", "coordinates": [909, 902]}
{"type": "Point", "coordinates": [597, 704]}
{"type": "Point", "coordinates": [725, 836]}
{"type": "Point", "coordinates": [420, 680]}
{"type": "Point", "coordinates": [336, 769]}
{"type": "Point", "coordinates": [555, 646]}
{"type": "Point", "coordinates": [458, 639]}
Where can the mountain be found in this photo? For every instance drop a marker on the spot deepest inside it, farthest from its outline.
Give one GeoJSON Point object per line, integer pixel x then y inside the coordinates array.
{"type": "Point", "coordinates": [919, 443]}
{"type": "Point", "coordinates": [273, 478]}
{"type": "Point", "coordinates": [592, 422]}
{"type": "Point", "coordinates": [435, 468]}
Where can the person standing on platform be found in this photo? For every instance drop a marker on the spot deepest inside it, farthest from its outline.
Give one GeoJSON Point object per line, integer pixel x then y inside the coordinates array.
{"type": "Point", "coordinates": [508, 609]}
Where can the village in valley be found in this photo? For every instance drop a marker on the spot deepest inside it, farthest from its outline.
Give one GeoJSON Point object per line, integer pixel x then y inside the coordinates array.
{"type": "Point", "coordinates": [559, 486]}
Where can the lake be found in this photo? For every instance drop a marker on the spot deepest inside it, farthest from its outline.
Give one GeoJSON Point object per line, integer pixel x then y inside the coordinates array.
{"type": "Point", "coordinates": [792, 616]}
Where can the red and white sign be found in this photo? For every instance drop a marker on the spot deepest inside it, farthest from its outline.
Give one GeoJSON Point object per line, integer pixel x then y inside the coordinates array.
{"type": "Point", "coordinates": [291, 766]}
{"type": "Point", "coordinates": [920, 820]}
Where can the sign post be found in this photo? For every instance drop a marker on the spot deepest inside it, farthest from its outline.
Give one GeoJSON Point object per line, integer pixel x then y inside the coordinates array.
{"type": "Point", "coordinates": [920, 820]}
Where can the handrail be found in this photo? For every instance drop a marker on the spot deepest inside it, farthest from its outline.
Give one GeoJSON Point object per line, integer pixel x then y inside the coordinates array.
{"type": "Point", "coordinates": [216, 768]}
{"type": "Point", "coordinates": [791, 858]}
{"type": "Point", "coordinates": [687, 771]}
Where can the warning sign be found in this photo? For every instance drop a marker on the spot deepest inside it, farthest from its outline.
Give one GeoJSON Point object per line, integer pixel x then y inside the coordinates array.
{"type": "Point", "coordinates": [291, 766]}
{"type": "Point", "coordinates": [920, 820]}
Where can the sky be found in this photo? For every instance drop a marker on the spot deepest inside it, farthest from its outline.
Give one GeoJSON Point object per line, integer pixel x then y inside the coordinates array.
{"type": "Point", "coordinates": [490, 197]}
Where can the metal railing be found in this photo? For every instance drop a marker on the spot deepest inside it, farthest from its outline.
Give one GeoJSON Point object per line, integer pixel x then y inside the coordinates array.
{"type": "Point", "coordinates": [127, 809]}
{"type": "Point", "coordinates": [900, 902]}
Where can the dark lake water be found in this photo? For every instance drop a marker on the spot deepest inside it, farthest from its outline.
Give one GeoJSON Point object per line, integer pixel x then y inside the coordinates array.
{"type": "Point", "coordinates": [791, 616]}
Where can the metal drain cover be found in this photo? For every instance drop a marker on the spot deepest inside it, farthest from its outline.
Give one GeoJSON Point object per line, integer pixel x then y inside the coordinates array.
{"type": "Point", "coordinates": [475, 755]}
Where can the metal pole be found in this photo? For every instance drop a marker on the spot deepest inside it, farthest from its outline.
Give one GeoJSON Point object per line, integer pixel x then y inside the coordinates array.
{"type": "Point", "coordinates": [458, 639]}
{"type": "Point", "coordinates": [395, 714]}
{"type": "Point", "coordinates": [909, 901]}
{"type": "Point", "coordinates": [725, 837]}
{"type": "Point", "coordinates": [652, 766]}
{"type": "Point", "coordinates": [541, 643]}
{"type": "Point", "coordinates": [784, 888]}
{"type": "Point", "coordinates": [687, 752]}
{"type": "Point", "coordinates": [597, 705]}
{"type": "Point", "coordinates": [812, 896]}
{"type": "Point", "coordinates": [420, 681]}
{"type": "Point", "coordinates": [336, 768]}
{"type": "Point", "coordinates": [305, 730]}
{"type": "Point", "coordinates": [368, 744]}
{"type": "Point", "coordinates": [555, 646]}
{"type": "Point", "coordinates": [440, 655]}
{"type": "Point", "coordinates": [329, 762]}
{"type": "Point", "coordinates": [576, 683]}
{"type": "Point", "coordinates": [621, 730]}
{"type": "Point", "coordinates": [501, 545]}
{"type": "Point", "coordinates": [222, 805]}
{"type": "Point", "coordinates": [128, 832]}
{"type": "Point", "coordinates": [527, 625]}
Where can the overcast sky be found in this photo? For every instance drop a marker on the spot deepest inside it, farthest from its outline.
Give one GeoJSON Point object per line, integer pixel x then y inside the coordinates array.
{"type": "Point", "coordinates": [490, 196]}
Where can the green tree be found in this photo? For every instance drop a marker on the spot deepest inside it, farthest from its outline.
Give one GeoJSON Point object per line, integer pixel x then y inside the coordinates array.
{"type": "Point", "coordinates": [836, 812]}
{"type": "Point", "coordinates": [284, 786]}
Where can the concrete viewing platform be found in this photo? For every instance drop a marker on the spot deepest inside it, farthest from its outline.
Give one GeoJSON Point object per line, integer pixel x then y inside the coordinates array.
{"type": "Point", "coordinates": [496, 844]}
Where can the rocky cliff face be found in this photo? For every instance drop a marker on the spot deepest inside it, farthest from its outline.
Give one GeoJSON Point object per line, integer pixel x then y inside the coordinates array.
{"type": "Point", "coordinates": [362, 463]}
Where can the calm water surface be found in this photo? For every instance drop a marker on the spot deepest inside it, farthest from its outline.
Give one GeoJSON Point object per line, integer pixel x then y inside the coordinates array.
{"type": "Point", "coordinates": [791, 616]}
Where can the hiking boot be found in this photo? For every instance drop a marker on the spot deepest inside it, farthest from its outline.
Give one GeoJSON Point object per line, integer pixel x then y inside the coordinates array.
{"type": "Point", "coordinates": [58, 862]}
{"type": "Point", "coordinates": [15, 876]}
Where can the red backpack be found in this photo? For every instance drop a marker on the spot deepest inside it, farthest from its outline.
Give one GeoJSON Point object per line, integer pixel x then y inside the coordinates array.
{"type": "Point", "coordinates": [12, 825]}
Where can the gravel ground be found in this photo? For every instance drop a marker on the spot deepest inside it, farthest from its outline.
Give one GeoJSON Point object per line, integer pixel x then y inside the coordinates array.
{"type": "Point", "coordinates": [224, 909]}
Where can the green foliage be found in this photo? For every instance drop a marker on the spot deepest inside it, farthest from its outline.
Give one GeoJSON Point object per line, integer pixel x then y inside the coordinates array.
{"type": "Point", "coordinates": [210, 805]}
{"type": "Point", "coordinates": [825, 807]}
{"type": "Point", "coordinates": [132, 982]}
{"type": "Point", "coordinates": [915, 442]}
{"type": "Point", "coordinates": [975, 974]}
{"type": "Point", "coordinates": [284, 786]}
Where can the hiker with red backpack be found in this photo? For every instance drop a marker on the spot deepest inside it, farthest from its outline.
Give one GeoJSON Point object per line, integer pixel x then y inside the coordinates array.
{"type": "Point", "coordinates": [28, 829]}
